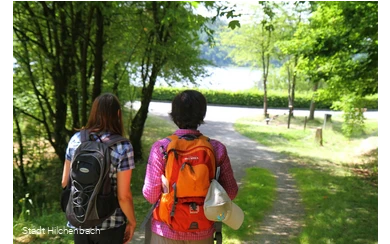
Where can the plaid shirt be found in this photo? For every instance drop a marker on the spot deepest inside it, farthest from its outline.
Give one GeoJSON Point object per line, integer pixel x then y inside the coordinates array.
{"type": "Point", "coordinates": [152, 185]}
{"type": "Point", "coordinates": [122, 158]}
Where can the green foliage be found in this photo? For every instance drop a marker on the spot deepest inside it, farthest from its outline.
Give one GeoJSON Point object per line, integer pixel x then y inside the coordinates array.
{"type": "Point", "coordinates": [44, 187]}
{"type": "Point", "coordinates": [215, 53]}
{"type": "Point", "coordinates": [233, 24]}
{"type": "Point", "coordinates": [170, 49]}
{"type": "Point", "coordinates": [254, 98]}
{"type": "Point", "coordinates": [344, 40]}
{"type": "Point", "coordinates": [334, 44]}
{"type": "Point", "coordinates": [353, 115]}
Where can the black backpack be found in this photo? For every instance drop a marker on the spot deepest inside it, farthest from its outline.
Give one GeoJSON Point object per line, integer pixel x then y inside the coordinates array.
{"type": "Point", "coordinates": [89, 199]}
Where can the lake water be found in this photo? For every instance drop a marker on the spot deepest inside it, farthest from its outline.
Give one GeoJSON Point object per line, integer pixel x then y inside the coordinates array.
{"type": "Point", "coordinates": [226, 78]}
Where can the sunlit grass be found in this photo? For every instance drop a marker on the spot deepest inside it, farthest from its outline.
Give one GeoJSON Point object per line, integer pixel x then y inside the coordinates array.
{"type": "Point", "coordinates": [255, 198]}
{"type": "Point", "coordinates": [300, 141]}
{"type": "Point", "coordinates": [36, 230]}
{"type": "Point", "coordinates": [339, 208]}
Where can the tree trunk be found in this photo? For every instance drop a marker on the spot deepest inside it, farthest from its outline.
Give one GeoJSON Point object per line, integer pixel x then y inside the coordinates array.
{"type": "Point", "coordinates": [60, 133]}
{"type": "Point", "coordinates": [294, 82]}
{"type": "Point", "coordinates": [265, 74]}
{"type": "Point", "coordinates": [97, 86]}
{"type": "Point", "coordinates": [84, 66]}
{"type": "Point", "coordinates": [289, 84]}
{"type": "Point", "coordinates": [61, 76]}
{"type": "Point", "coordinates": [74, 95]}
{"type": "Point", "coordinates": [154, 60]}
{"type": "Point", "coordinates": [59, 55]}
{"type": "Point", "coordinates": [116, 80]}
{"type": "Point", "coordinates": [265, 103]}
{"type": "Point", "coordinates": [138, 123]}
{"type": "Point", "coordinates": [20, 142]}
{"type": "Point", "coordinates": [313, 103]}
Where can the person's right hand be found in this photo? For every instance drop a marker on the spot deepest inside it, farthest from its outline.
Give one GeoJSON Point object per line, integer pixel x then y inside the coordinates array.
{"type": "Point", "coordinates": [129, 232]}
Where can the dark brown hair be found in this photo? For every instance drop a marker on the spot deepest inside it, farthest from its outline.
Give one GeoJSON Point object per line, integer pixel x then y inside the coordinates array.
{"type": "Point", "coordinates": [188, 109]}
{"type": "Point", "coordinates": [106, 115]}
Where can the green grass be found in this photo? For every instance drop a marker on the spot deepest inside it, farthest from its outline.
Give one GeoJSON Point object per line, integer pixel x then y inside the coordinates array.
{"type": "Point", "coordinates": [31, 231]}
{"type": "Point", "coordinates": [338, 183]}
{"type": "Point", "coordinates": [339, 208]}
{"type": "Point", "coordinates": [300, 142]}
{"type": "Point", "coordinates": [255, 197]}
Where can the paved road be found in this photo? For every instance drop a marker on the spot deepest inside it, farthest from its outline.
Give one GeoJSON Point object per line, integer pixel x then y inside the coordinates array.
{"type": "Point", "coordinates": [285, 219]}
{"type": "Point", "coordinates": [230, 114]}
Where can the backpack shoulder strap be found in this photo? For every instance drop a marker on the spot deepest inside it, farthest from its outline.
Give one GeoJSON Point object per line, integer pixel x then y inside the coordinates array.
{"type": "Point", "coordinates": [217, 167]}
{"type": "Point", "coordinates": [110, 140]}
{"type": "Point", "coordinates": [84, 135]}
{"type": "Point", "coordinates": [172, 137]}
{"type": "Point", "coordinates": [115, 138]}
{"type": "Point", "coordinates": [172, 142]}
{"type": "Point", "coordinates": [204, 137]}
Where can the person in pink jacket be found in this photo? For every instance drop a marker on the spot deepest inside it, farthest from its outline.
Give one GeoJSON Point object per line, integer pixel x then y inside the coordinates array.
{"type": "Point", "coordinates": [188, 113]}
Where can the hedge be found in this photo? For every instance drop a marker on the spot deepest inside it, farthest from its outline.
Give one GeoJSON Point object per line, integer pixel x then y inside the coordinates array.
{"type": "Point", "coordinates": [255, 98]}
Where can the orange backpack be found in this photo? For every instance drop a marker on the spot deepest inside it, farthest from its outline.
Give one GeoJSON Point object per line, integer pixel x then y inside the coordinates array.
{"type": "Point", "coordinates": [189, 169]}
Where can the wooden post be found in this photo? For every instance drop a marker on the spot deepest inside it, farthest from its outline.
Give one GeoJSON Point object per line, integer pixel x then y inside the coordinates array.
{"type": "Point", "coordinates": [304, 128]}
{"type": "Point", "coordinates": [319, 136]}
{"type": "Point", "coordinates": [327, 121]}
{"type": "Point", "coordinates": [267, 119]}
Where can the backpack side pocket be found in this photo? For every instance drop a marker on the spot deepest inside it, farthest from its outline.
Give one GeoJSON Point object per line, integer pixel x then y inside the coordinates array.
{"type": "Point", "coordinates": [163, 210]}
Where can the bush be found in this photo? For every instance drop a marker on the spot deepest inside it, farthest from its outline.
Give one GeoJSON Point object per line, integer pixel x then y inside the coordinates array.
{"type": "Point", "coordinates": [255, 98]}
